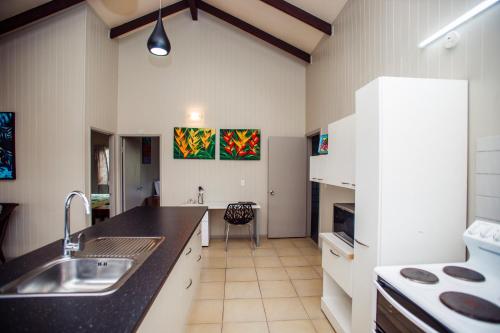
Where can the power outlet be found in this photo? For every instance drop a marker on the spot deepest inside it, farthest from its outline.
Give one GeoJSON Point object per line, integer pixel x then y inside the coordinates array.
{"type": "Point", "coordinates": [242, 182]}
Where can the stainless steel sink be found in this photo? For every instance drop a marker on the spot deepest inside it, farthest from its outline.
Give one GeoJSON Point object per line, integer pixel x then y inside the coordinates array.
{"type": "Point", "coordinates": [102, 268]}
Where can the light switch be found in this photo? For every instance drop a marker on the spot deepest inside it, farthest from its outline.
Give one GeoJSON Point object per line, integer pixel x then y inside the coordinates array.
{"type": "Point", "coordinates": [242, 182]}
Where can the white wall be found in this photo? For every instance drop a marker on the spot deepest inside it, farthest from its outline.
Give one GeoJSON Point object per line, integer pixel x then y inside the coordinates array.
{"type": "Point", "coordinates": [42, 71]}
{"type": "Point", "coordinates": [236, 80]}
{"type": "Point", "coordinates": [379, 37]}
{"type": "Point", "coordinates": [57, 76]}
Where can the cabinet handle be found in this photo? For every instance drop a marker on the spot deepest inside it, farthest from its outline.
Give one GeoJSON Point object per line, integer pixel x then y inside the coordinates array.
{"type": "Point", "coordinates": [354, 185]}
{"type": "Point", "coordinates": [198, 233]}
{"type": "Point", "coordinates": [190, 283]}
{"type": "Point", "coordinates": [335, 254]}
{"type": "Point", "coordinates": [358, 242]}
{"type": "Point", "coordinates": [189, 251]}
{"type": "Point", "coordinates": [320, 178]}
{"type": "Point", "coordinates": [199, 258]}
{"type": "Point", "coordinates": [345, 183]}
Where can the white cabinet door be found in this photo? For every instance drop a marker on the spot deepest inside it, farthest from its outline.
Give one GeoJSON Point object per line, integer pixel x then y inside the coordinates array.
{"type": "Point", "coordinates": [317, 168]}
{"type": "Point", "coordinates": [342, 152]}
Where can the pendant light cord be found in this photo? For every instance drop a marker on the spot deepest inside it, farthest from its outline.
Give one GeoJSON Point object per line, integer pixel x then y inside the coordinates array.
{"type": "Point", "coordinates": [159, 11]}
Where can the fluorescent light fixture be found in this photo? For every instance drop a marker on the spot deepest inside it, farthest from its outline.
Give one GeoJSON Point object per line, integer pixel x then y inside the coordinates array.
{"type": "Point", "coordinates": [462, 19]}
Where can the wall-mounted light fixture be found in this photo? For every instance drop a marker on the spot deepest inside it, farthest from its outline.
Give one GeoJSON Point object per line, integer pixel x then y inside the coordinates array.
{"type": "Point", "coordinates": [459, 21]}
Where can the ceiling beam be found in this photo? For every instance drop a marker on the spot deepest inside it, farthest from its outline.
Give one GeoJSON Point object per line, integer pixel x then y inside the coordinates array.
{"type": "Point", "coordinates": [301, 15]}
{"type": "Point", "coordinates": [254, 31]}
{"type": "Point", "coordinates": [146, 19]}
{"type": "Point", "coordinates": [193, 7]}
{"type": "Point", "coordinates": [35, 14]}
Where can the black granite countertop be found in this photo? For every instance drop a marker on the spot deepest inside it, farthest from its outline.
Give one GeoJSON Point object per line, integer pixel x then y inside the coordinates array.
{"type": "Point", "coordinates": [121, 311]}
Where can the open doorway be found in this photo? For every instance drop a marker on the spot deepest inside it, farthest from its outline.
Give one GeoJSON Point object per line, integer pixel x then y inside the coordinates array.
{"type": "Point", "coordinates": [100, 175]}
{"type": "Point", "coordinates": [140, 171]}
{"type": "Point", "coordinates": [314, 192]}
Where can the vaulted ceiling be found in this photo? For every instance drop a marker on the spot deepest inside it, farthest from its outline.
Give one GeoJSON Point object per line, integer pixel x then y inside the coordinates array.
{"type": "Point", "coordinates": [296, 26]}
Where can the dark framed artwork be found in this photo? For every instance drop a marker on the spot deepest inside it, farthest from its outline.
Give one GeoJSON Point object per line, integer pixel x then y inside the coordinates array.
{"type": "Point", "coordinates": [7, 146]}
{"type": "Point", "coordinates": [146, 150]}
{"type": "Point", "coordinates": [240, 144]}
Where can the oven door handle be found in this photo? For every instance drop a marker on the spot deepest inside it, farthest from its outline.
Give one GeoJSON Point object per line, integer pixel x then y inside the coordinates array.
{"type": "Point", "coordinates": [410, 316]}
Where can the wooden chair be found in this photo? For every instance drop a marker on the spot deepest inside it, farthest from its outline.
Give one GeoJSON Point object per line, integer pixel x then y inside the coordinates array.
{"type": "Point", "coordinates": [7, 209]}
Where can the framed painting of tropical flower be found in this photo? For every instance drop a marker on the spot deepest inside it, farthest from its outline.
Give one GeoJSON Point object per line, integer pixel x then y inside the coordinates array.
{"type": "Point", "coordinates": [7, 146]}
{"type": "Point", "coordinates": [240, 144]}
{"type": "Point", "coordinates": [194, 143]}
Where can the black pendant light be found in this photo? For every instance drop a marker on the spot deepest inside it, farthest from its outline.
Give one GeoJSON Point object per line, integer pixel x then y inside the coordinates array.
{"type": "Point", "coordinates": [158, 43]}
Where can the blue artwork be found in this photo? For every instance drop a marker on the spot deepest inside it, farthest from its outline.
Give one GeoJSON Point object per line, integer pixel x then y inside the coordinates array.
{"type": "Point", "coordinates": [7, 146]}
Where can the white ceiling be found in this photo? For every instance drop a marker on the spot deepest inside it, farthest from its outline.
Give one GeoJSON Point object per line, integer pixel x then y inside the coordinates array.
{"type": "Point", "coordinates": [255, 12]}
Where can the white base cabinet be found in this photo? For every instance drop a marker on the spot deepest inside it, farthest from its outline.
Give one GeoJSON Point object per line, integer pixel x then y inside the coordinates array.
{"type": "Point", "coordinates": [170, 310]}
{"type": "Point", "coordinates": [336, 303]}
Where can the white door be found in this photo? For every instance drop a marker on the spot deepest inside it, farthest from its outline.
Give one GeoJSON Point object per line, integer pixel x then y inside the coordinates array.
{"type": "Point", "coordinates": [132, 188]}
{"type": "Point", "coordinates": [287, 187]}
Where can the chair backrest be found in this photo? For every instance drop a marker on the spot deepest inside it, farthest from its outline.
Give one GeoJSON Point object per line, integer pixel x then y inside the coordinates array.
{"type": "Point", "coordinates": [239, 213]}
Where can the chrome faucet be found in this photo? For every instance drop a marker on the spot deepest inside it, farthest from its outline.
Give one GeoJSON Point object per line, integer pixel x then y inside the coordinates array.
{"type": "Point", "coordinates": [68, 246]}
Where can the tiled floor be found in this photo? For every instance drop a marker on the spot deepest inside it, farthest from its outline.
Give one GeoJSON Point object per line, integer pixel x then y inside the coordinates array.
{"type": "Point", "coordinates": [274, 289]}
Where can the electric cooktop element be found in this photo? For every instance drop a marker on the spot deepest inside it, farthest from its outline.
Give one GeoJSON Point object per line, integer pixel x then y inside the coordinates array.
{"type": "Point", "coordinates": [463, 273]}
{"type": "Point", "coordinates": [419, 275]}
{"type": "Point", "coordinates": [471, 306]}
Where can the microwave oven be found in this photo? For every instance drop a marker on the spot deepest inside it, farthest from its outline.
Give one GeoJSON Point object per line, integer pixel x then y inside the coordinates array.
{"type": "Point", "coordinates": [343, 222]}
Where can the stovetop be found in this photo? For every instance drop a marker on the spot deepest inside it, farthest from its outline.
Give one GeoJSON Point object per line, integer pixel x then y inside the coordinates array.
{"type": "Point", "coordinates": [484, 259]}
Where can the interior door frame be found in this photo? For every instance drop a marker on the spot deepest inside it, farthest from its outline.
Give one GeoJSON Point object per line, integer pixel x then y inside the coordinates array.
{"type": "Point", "coordinates": [309, 136]}
{"type": "Point", "coordinates": [112, 168]}
{"type": "Point", "coordinates": [120, 173]}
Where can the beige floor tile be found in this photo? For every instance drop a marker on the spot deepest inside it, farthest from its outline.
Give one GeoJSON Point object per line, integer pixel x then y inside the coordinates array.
{"type": "Point", "coordinates": [309, 251]}
{"type": "Point", "coordinates": [292, 326]}
{"type": "Point", "coordinates": [322, 326]}
{"type": "Point", "coordinates": [294, 261]}
{"type": "Point", "coordinates": [244, 310]}
{"type": "Point", "coordinates": [284, 309]}
{"type": "Point", "coordinates": [312, 305]}
{"type": "Point", "coordinates": [272, 274]}
{"type": "Point", "coordinates": [247, 252]}
{"type": "Point", "coordinates": [304, 242]}
{"type": "Point", "coordinates": [242, 290]}
{"type": "Point", "coordinates": [302, 273]}
{"type": "Point", "coordinates": [258, 327]}
{"type": "Point", "coordinates": [265, 244]}
{"type": "Point", "coordinates": [274, 289]}
{"type": "Point", "coordinates": [217, 244]}
{"type": "Point", "coordinates": [210, 252]}
{"type": "Point", "coordinates": [312, 287]}
{"type": "Point", "coordinates": [241, 274]}
{"type": "Point", "coordinates": [282, 243]}
{"type": "Point", "coordinates": [288, 251]}
{"type": "Point", "coordinates": [238, 243]}
{"type": "Point", "coordinates": [235, 262]}
{"type": "Point", "coordinates": [318, 270]}
{"type": "Point", "coordinates": [264, 253]}
{"type": "Point", "coordinates": [211, 290]}
{"type": "Point", "coordinates": [204, 328]}
{"type": "Point", "coordinates": [214, 262]}
{"type": "Point", "coordinates": [206, 312]}
{"type": "Point", "coordinates": [267, 261]}
{"type": "Point", "coordinates": [213, 275]}
{"type": "Point", "coordinates": [313, 260]}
